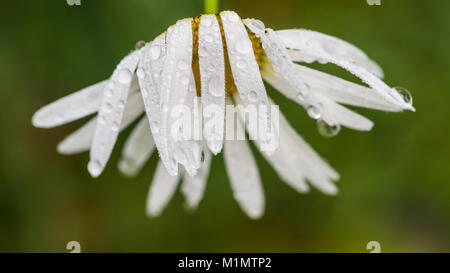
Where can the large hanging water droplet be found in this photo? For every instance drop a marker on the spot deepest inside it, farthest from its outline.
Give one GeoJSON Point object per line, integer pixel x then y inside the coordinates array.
{"type": "Point", "coordinates": [327, 130]}
{"type": "Point", "coordinates": [124, 76]}
{"type": "Point", "coordinates": [313, 112]}
{"type": "Point", "coordinates": [155, 52]}
{"type": "Point", "coordinates": [243, 45]}
{"type": "Point", "coordinates": [155, 127]}
{"type": "Point", "coordinates": [215, 87]}
{"type": "Point", "coordinates": [139, 45]}
{"type": "Point", "coordinates": [406, 95]}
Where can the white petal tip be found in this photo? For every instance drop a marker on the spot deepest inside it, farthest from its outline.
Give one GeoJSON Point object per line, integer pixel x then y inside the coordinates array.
{"type": "Point", "coordinates": [330, 190]}
{"type": "Point", "coordinates": [127, 168]}
{"type": "Point", "coordinates": [94, 168]}
{"type": "Point", "coordinates": [255, 214]}
{"type": "Point", "coordinates": [38, 122]}
{"type": "Point", "coordinates": [152, 213]}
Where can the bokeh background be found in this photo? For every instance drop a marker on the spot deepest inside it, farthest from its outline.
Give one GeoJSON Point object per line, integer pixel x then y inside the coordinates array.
{"type": "Point", "coordinates": [395, 180]}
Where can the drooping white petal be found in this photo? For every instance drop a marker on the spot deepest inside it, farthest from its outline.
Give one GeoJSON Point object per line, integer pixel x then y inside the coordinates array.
{"type": "Point", "coordinates": [111, 111]}
{"type": "Point", "coordinates": [244, 175]}
{"type": "Point", "coordinates": [308, 44]}
{"type": "Point", "coordinates": [188, 148]}
{"type": "Point", "coordinates": [174, 86]}
{"type": "Point", "coordinates": [334, 114]}
{"type": "Point", "coordinates": [161, 190]}
{"type": "Point", "coordinates": [212, 78]}
{"type": "Point", "coordinates": [280, 60]}
{"type": "Point", "coordinates": [343, 91]}
{"type": "Point", "coordinates": [71, 107]}
{"type": "Point", "coordinates": [296, 153]}
{"type": "Point", "coordinates": [333, 46]}
{"type": "Point", "coordinates": [81, 140]}
{"type": "Point", "coordinates": [149, 74]}
{"type": "Point", "coordinates": [193, 187]}
{"type": "Point", "coordinates": [245, 70]}
{"type": "Point", "coordinates": [138, 148]}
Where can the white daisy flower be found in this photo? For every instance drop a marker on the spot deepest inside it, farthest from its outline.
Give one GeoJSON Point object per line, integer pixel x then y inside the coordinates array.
{"type": "Point", "coordinates": [222, 60]}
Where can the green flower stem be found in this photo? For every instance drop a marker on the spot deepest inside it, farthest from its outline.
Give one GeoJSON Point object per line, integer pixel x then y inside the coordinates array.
{"type": "Point", "coordinates": [211, 6]}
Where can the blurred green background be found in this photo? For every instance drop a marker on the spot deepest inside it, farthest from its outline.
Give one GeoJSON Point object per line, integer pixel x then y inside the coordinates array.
{"type": "Point", "coordinates": [395, 180]}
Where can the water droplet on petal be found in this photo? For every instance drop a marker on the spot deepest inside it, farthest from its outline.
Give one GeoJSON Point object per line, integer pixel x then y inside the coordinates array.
{"type": "Point", "coordinates": [182, 65]}
{"type": "Point", "coordinates": [108, 92]}
{"type": "Point", "coordinates": [115, 127]}
{"type": "Point", "coordinates": [155, 52]}
{"type": "Point", "coordinates": [107, 107]}
{"type": "Point", "coordinates": [139, 45]}
{"type": "Point", "coordinates": [327, 130]}
{"type": "Point", "coordinates": [243, 45]}
{"type": "Point", "coordinates": [95, 168]}
{"type": "Point", "coordinates": [258, 26]}
{"type": "Point", "coordinates": [313, 112]}
{"type": "Point", "coordinates": [405, 94]}
{"type": "Point", "coordinates": [215, 87]}
{"type": "Point", "coordinates": [241, 64]}
{"type": "Point", "coordinates": [252, 96]}
{"type": "Point", "coordinates": [124, 76]}
{"type": "Point", "coordinates": [140, 73]}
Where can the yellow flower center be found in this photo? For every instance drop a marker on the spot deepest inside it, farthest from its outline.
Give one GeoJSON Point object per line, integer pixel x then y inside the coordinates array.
{"type": "Point", "coordinates": [230, 87]}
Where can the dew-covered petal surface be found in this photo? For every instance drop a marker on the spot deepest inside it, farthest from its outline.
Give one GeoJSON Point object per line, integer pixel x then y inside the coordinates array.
{"type": "Point", "coordinates": [212, 78]}
{"type": "Point", "coordinates": [149, 75]}
{"type": "Point", "coordinates": [161, 190]}
{"type": "Point", "coordinates": [281, 62]}
{"type": "Point", "coordinates": [174, 86]}
{"type": "Point", "coordinates": [71, 107]}
{"type": "Point", "coordinates": [81, 140]}
{"type": "Point", "coordinates": [138, 149]}
{"type": "Point", "coordinates": [110, 113]}
{"type": "Point", "coordinates": [307, 44]}
{"type": "Point", "coordinates": [343, 91]}
{"type": "Point", "coordinates": [193, 187]}
{"type": "Point", "coordinates": [333, 46]}
{"type": "Point", "coordinates": [245, 69]}
{"type": "Point", "coordinates": [335, 114]}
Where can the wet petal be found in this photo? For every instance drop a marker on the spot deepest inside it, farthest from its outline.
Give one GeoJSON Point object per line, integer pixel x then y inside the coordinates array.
{"type": "Point", "coordinates": [138, 149]}
{"type": "Point", "coordinates": [110, 114]}
{"type": "Point", "coordinates": [307, 44]}
{"type": "Point", "coordinates": [70, 108]}
{"type": "Point", "coordinates": [81, 140]}
{"type": "Point", "coordinates": [149, 74]}
{"type": "Point", "coordinates": [334, 114]}
{"type": "Point", "coordinates": [333, 46]}
{"type": "Point", "coordinates": [212, 78]}
{"type": "Point", "coordinates": [247, 77]}
{"type": "Point", "coordinates": [343, 91]}
{"type": "Point", "coordinates": [175, 81]}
